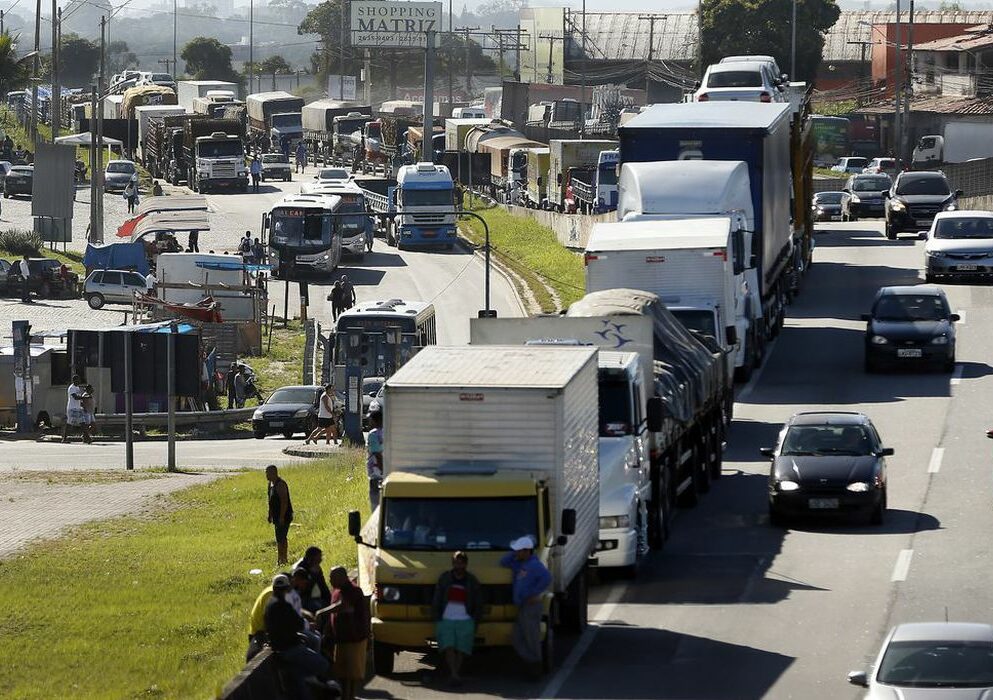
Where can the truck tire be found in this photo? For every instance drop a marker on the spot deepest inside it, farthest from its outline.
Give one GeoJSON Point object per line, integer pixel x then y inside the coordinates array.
{"type": "Point", "coordinates": [383, 656]}
{"type": "Point", "coordinates": [660, 508]}
{"type": "Point", "coordinates": [548, 649]}
{"type": "Point", "coordinates": [575, 608]}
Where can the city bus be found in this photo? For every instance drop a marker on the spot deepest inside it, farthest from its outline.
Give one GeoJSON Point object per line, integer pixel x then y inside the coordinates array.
{"type": "Point", "coordinates": [832, 139]}
{"type": "Point", "coordinates": [303, 234]}
{"type": "Point", "coordinates": [356, 231]}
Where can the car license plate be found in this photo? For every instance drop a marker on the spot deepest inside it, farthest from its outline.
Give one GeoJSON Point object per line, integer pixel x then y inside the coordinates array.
{"type": "Point", "coordinates": [823, 503]}
{"type": "Point", "coordinates": [275, 424]}
{"type": "Point", "coordinates": [908, 352]}
{"type": "Point", "coordinates": [967, 268]}
{"type": "Point", "coordinates": [836, 217]}
{"type": "Point", "coordinates": [924, 222]}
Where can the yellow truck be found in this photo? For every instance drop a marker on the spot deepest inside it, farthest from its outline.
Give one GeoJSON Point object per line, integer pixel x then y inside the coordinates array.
{"type": "Point", "coordinates": [483, 444]}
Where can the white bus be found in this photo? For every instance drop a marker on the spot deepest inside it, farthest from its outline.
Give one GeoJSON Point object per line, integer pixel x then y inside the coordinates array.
{"type": "Point", "coordinates": [304, 234]}
{"type": "Point", "coordinates": [356, 231]}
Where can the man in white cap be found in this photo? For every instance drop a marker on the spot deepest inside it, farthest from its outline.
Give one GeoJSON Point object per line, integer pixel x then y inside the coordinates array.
{"type": "Point", "coordinates": [530, 580]}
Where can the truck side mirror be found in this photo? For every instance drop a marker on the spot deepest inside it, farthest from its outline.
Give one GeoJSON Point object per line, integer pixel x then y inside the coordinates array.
{"type": "Point", "coordinates": [568, 521]}
{"type": "Point", "coordinates": [354, 524]}
{"type": "Point", "coordinates": [654, 414]}
{"type": "Point", "coordinates": [732, 335]}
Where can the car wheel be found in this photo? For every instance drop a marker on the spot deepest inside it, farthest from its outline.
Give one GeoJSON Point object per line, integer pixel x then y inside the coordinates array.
{"type": "Point", "coordinates": [879, 512]}
{"type": "Point", "coordinates": [5, 195]}
{"type": "Point", "coordinates": [890, 232]}
{"type": "Point", "coordinates": [288, 434]}
{"type": "Point", "coordinates": [929, 277]}
{"type": "Point", "coordinates": [95, 301]}
{"type": "Point", "coordinates": [259, 434]}
{"type": "Point", "coordinates": [776, 518]}
{"type": "Point", "coordinates": [45, 290]}
{"type": "Point", "coordinates": [261, 178]}
{"type": "Point", "coordinates": [949, 365]}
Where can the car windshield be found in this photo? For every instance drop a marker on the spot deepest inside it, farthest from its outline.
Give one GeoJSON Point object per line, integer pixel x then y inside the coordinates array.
{"type": "Point", "coordinates": [856, 163]}
{"type": "Point", "coordinates": [828, 198]}
{"type": "Point", "coordinates": [910, 307]}
{"type": "Point", "coordinates": [275, 158]}
{"type": "Point", "coordinates": [917, 184]}
{"type": "Point", "coordinates": [937, 664]}
{"type": "Point", "coordinates": [735, 79]}
{"type": "Point", "coordinates": [306, 396]}
{"type": "Point", "coordinates": [871, 184]}
{"type": "Point", "coordinates": [964, 227]}
{"type": "Point", "coordinates": [428, 198]}
{"type": "Point", "coordinates": [332, 174]}
{"type": "Point", "coordinates": [827, 440]}
{"type": "Point", "coordinates": [120, 167]}
{"type": "Point", "coordinates": [456, 523]}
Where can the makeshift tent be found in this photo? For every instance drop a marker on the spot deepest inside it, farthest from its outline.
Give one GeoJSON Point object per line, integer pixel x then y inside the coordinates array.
{"type": "Point", "coordinates": [156, 205]}
{"type": "Point", "coordinates": [116, 256]}
{"type": "Point", "coordinates": [85, 139]}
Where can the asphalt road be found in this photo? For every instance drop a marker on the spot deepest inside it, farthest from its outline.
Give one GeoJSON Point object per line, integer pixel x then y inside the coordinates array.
{"type": "Point", "coordinates": [733, 608]}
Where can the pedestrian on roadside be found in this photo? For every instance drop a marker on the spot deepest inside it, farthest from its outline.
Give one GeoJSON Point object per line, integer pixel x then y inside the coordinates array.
{"type": "Point", "coordinates": [194, 242]}
{"type": "Point", "coordinates": [256, 170]}
{"type": "Point", "coordinates": [457, 608]}
{"type": "Point", "coordinates": [530, 580]}
{"type": "Point", "coordinates": [229, 383]}
{"type": "Point", "coordinates": [280, 511]}
{"type": "Point", "coordinates": [240, 387]}
{"type": "Point", "coordinates": [325, 419]}
{"type": "Point", "coordinates": [349, 625]}
{"type": "Point", "coordinates": [319, 595]}
{"type": "Point", "coordinates": [283, 628]}
{"type": "Point", "coordinates": [258, 252]}
{"type": "Point", "coordinates": [25, 274]}
{"type": "Point", "coordinates": [156, 188]}
{"type": "Point", "coordinates": [131, 195]}
{"type": "Point", "coordinates": [335, 298]}
{"type": "Point", "coordinates": [245, 246]}
{"type": "Point", "coordinates": [374, 461]}
{"type": "Point", "coordinates": [74, 411]}
{"type": "Point", "coordinates": [347, 294]}
{"type": "Point", "coordinates": [301, 159]}
{"type": "Point", "coordinates": [150, 281]}
{"type": "Point", "coordinates": [89, 410]}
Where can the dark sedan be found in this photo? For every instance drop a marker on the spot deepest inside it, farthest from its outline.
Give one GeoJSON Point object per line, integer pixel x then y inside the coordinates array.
{"type": "Point", "coordinates": [290, 410]}
{"type": "Point", "coordinates": [20, 180]}
{"type": "Point", "coordinates": [827, 206]}
{"type": "Point", "coordinates": [910, 326]}
{"type": "Point", "coordinates": [865, 196]}
{"type": "Point", "coordinates": [827, 463]}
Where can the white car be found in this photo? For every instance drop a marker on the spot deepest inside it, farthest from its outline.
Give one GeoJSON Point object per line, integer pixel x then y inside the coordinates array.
{"type": "Point", "coordinates": [959, 244]}
{"type": "Point", "coordinates": [759, 58]}
{"type": "Point", "coordinates": [112, 286]}
{"type": "Point", "coordinates": [743, 81]}
{"type": "Point", "coordinates": [333, 175]}
{"type": "Point", "coordinates": [931, 661]}
{"type": "Point", "coordinates": [276, 166]}
{"type": "Point", "coordinates": [850, 164]}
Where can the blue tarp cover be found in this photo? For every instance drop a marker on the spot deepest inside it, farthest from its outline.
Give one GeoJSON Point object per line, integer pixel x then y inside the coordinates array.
{"type": "Point", "coordinates": [116, 256]}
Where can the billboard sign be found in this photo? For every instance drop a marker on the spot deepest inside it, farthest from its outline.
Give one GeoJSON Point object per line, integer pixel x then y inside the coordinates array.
{"type": "Point", "coordinates": [342, 88]}
{"type": "Point", "coordinates": [388, 24]}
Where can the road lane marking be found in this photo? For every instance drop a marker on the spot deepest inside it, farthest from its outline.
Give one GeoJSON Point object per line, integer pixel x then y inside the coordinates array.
{"type": "Point", "coordinates": [585, 641]}
{"type": "Point", "coordinates": [937, 454]}
{"type": "Point", "coordinates": [902, 566]}
{"type": "Point", "coordinates": [957, 375]}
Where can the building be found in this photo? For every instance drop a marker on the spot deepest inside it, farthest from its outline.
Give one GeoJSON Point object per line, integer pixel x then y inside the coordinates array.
{"type": "Point", "coordinates": [960, 65]}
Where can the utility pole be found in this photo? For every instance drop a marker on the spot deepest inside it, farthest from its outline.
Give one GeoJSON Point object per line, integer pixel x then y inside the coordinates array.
{"type": "Point", "coordinates": [451, 61]}
{"type": "Point", "coordinates": [551, 45]}
{"type": "Point", "coordinates": [94, 192]}
{"type": "Point", "coordinates": [897, 89]}
{"type": "Point", "coordinates": [793, 44]}
{"type": "Point", "coordinates": [97, 174]}
{"type": "Point", "coordinates": [251, 43]}
{"type": "Point", "coordinates": [33, 129]}
{"type": "Point", "coordinates": [468, 58]}
{"type": "Point", "coordinates": [368, 78]}
{"type": "Point", "coordinates": [56, 103]}
{"type": "Point", "coordinates": [167, 62]}
{"type": "Point", "coordinates": [1, 21]}
{"type": "Point", "coordinates": [652, 19]}
{"type": "Point", "coordinates": [863, 84]}
{"type": "Point", "coordinates": [905, 147]}
{"type": "Point", "coordinates": [427, 136]}
{"type": "Point", "coordinates": [175, 37]}
{"type": "Point", "coordinates": [582, 94]}
{"type": "Point", "coordinates": [341, 55]}
{"type": "Point", "coordinates": [517, 68]}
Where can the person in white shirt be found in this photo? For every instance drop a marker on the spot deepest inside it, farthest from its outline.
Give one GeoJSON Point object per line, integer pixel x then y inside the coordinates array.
{"type": "Point", "coordinates": [326, 422]}
{"type": "Point", "coordinates": [75, 416]}
{"type": "Point", "coordinates": [25, 273]}
{"type": "Point", "coordinates": [150, 281]}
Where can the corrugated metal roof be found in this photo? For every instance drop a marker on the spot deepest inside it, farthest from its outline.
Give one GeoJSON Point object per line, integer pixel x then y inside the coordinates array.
{"type": "Point", "coordinates": [939, 105]}
{"type": "Point", "coordinates": [960, 42]}
{"type": "Point", "coordinates": [847, 28]}
{"type": "Point", "coordinates": [621, 36]}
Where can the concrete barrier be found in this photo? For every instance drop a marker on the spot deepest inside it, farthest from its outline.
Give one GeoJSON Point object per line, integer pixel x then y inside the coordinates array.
{"type": "Point", "coordinates": [571, 230]}
{"type": "Point", "coordinates": [258, 680]}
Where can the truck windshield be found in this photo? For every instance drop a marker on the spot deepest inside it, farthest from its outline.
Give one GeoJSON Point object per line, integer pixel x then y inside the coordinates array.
{"type": "Point", "coordinates": [221, 149]}
{"type": "Point", "coordinates": [615, 406]}
{"type": "Point", "coordinates": [348, 126]}
{"type": "Point", "coordinates": [286, 120]}
{"type": "Point", "coordinates": [296, 227]}
{"type": "Point", "coordinates": [608, 174]}
{"type": "Point", "coordinates": [428, 198]}
{"type": "Point", "coordinates": [699, 320]}
{"type": "Point", "coordinates": [457, 523]}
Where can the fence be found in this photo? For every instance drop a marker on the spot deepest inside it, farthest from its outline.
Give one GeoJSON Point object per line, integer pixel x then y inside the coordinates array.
{"type": "Point", "coordinates": [974, 178]}
{"type": "Point", "coordinates": [571, 230]}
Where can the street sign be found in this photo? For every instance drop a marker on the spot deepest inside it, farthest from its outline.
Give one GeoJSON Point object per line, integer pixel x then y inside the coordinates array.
{"type": "Point", "coordinates": [388, 24]}
{"type": "Point", "coordinates": [342, 88]}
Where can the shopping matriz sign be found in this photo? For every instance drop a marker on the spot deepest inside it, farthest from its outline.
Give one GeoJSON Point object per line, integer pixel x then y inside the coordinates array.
{"type": "Point", "coordinates": [403, 25]}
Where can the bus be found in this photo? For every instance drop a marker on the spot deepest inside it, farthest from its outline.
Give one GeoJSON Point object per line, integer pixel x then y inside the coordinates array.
{"type": "Point", "coordinates": [356, 231]}
{"type": "Point", "coordinates": [303, 234]}
{"type": "Point", "coordinates": [831, 139]}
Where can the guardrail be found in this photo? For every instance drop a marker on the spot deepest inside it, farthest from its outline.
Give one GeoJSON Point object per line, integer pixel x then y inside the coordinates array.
{"type": "Point", "coordinates": [224, 418]}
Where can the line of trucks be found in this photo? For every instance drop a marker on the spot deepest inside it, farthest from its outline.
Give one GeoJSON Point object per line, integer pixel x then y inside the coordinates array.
{"type": "Point", "coordinates": [585, 430]}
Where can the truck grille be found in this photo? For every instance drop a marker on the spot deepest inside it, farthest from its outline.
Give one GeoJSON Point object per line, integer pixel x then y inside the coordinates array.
{"type": "Point", "coordinates": [428, 219]}
{"type": "Point", "coordinates": [224, 170]}
{"type": "Point", "coordinates": [423, 594]}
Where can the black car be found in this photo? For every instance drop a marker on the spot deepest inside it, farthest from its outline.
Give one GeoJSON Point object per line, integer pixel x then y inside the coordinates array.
{"type": "Point", "coordinates": [48, 279]}
{"type": "Point", "coordinates": [290, 410]}
{"type": "Point", "coordinates": [865, 196]}
{"type": "Point", "coordinates": [19, 180]}
{"type": "Point", "coordinates": [827, 463]}
{"type": "Point", "coordinates": [910, 326]}
{"type": "Point", "coordinates": [827, 206]}
{"type": "Point", "coordinates": [914, 200]}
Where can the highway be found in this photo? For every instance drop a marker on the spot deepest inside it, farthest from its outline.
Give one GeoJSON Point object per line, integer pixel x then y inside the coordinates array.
{"type": "Point", "coordinates": [734, 608]}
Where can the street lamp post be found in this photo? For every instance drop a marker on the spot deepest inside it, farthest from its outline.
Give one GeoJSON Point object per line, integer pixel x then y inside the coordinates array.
{"type": "Point", "coordinates": [793, 44]}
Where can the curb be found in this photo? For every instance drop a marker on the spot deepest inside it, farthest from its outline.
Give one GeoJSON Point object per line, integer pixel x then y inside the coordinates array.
{"type": "Point", "coordinates": [312, 450]}
{"type": "Point", "coordinates": [477, 251]}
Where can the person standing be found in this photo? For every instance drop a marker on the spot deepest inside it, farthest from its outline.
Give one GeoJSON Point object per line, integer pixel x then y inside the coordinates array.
{"type": "Point", "coordinates": [240, 387]}
{"type": "Point", "coordinates": [349, 622]}
{"type": "Point", "coordinates": [229, 383]}
{"type": "Point", "coordinates": [194, 242]}
{"type": "Point", "coordinates": [256, 170]}
{"type": "Point", "coordinates": [374, 461]}
{"type": "Point", "coordinates": [25, 274]}
{"type": "Point", "coordinates": [89, 412]}
{"type": "Point", "coordinates": [325, 418]}
{"type": "Point", "coordinates": [530, 579]}
{"type": "Point", "coordinates": [457, 608]}
{"type": "Point", "coordinates": [301, 160]}
{"type": "Point", "coordinates": [335, 298]}
{"type": "Point", "coordinates": [258, 252]}
{"type": "Point", "coordinates": [74, 410]}
{"type": "Point", "coordinates": [280, 511]}
{"type": "Point", "coordinates": [284, 628]}
{"type": "Point", "coordinates": [131, 195]}
{"type": "Point", "coordinates": [150, 281]}
{"type": "Point", "coordinates": [347, 294]}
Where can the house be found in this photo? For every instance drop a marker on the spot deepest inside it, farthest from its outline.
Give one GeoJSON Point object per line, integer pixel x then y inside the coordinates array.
{"type": "Point", "coordinates": [960, 65]}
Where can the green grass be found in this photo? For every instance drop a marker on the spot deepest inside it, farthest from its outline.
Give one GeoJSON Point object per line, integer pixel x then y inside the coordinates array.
{"type": "Point", "coordinates": [532, 251]}
{"type": "Point", "coordinates": [157, 605]}
{"type": "Point", "coordinates": [73, 260]}
{"type": "Point", "coordinates": [283, 364]}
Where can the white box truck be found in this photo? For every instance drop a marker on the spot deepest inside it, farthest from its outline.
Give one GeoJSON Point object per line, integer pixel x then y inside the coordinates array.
{"type": "Point", "coordinates": [189, 90]}
{"type": "Point", "coordinates": [959, 141]}
{"type": "Point", "coordinates": [483, 444]}
{"type": "Point", "coordinates": [567, 156]}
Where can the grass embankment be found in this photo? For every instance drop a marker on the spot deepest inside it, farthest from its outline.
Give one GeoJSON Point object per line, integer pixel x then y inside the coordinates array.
{"type": "Point", "coordinates": [533, 252]}
{"type": "Point", "coordinates": [74, 261]}
{"type": "Point", "coordinates": [157, 605]}
{"type": "Point", "coordinates": [282, 363]}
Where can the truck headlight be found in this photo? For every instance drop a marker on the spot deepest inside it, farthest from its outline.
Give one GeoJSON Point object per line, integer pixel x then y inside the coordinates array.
{"type": "Point", "coordinates": [389, 594]}
{"type": "Point", "coordinates": [610, 522]}
{"type": "Point", "coordinates": [951, 207]}
{"type": "Point", "coordinates": [257, 415]}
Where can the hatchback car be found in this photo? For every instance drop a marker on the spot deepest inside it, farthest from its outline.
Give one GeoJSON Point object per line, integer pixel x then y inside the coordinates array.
{"type": "Point", "coordinates": [112, 287]}
{"type": "Point", "coordinates": [826, 206]}
{"type": "Point", "coordinates": [118, 174]}
{"type": "Point", "coordinates": [932, 661]}
{"type": "Point", "coordinates": [865, 195]}
{"type": "Point", "coordinates": [890, 166]}
{"type": "Point", "coordinates": [334, 175]}
{"type": "Point", "coordinates": [959, 244]}
{"type": "Point", "coordinates": [290, 410]}
{"type": "Point", "coordinates": [910, 326]}
{"type": "Point", "coordinates": [850, 164]}
{"type": "Point", "coordinates": [20, 180]}
{"type": "Point", "coordinates": [915, 199]}
{"type": "Point", "coordinates": [747, 81]}
{"type": "Point", "coordinates": [276, 166]}
{"type": "Point", "coordinates": [830, 462]}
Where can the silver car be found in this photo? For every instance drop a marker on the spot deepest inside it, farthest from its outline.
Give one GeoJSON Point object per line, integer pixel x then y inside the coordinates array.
{"type": "Point", "coordinates": [118, 174]}
{"type": "Point", "coordinates": [959, 244]}
{"type": "Point", "coordinates": [112, 286]}
{"type": "Point", "coordinates": [932, 661]}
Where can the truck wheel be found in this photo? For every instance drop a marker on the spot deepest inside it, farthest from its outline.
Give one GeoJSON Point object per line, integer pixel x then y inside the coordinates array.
{"type": "Point", "coordinates": [660, 508]}
{"type": "Point", "coordinates": [383, 657]}
{"type": "Point", "coordinates": [890, 232]}
{"type": "Point", "coordinates": [716, 451]}
{"type": "Point", "coordinates": [548, 650]}
{"type": "Point", "coordinates": [575, 615]}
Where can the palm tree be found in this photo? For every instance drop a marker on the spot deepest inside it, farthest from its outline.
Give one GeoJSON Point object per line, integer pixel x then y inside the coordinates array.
{"type": "Point", "coordinates": [14, 69]}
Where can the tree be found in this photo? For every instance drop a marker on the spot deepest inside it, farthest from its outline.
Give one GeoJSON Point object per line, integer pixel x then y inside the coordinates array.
{"type": "Point", "coordinates": [325, 21]}
{"type": "Point", "coordinates": [79, 60]}
{"type": "Point", "coordinates": [208, 59]}
{"type": "Point", "coordinates": [275, 65]}
{"type": "Point", "coordinates": [120, 57]}
{"type": "Point", "coordinates": [731, 27]}
{"type": "Point", "coordinates": [14, 71]}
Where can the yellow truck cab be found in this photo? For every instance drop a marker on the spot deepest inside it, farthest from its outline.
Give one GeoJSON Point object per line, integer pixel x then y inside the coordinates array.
{"type": "Point", "coordinates": [481, 446]}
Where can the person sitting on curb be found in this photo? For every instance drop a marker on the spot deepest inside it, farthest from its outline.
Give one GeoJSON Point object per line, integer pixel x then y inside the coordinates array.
{"type": "Point", "coordinates": [284, 628]}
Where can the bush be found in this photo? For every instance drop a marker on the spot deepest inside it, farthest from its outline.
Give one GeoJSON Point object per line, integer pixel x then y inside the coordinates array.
{"type": "Point", "coordinates": [17, 242]}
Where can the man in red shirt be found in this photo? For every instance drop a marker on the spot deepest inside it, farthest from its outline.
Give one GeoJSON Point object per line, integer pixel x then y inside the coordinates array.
{"type": "Point", "coordinates": [457, 608]}
{"type": "Point", "coordinates": [349, 624]}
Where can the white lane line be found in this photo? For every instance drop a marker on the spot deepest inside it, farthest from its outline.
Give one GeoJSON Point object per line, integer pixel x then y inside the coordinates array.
{"type": "Point", "coordinates": [957, 375]}
{"type": "Point", "coordinates": [902, 566]}
{"type": "Point", "coordinates": [937, 454]}
{"type": "Point", "coordinates": [582, 646]}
